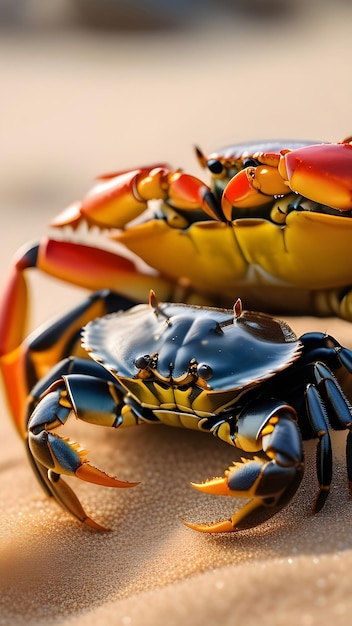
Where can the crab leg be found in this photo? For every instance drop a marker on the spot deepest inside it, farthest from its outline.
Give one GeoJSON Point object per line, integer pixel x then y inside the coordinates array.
{"type": "Point", "coordinates": [113, 203]}
{"type": "Point", "coordinates": [76, 264]}
{"type": "Point", "coordinates": [326, 390]}
{"type": "Point", "coordinates": [269, 482]}
{"type": "Point", "coordinates": [91, 399]}
{"type": "Point", "coordinates": [25, 365]}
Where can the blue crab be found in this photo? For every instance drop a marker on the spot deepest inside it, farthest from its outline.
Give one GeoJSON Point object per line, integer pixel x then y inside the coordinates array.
{"type": "Point", "coordinates": [241, 376]}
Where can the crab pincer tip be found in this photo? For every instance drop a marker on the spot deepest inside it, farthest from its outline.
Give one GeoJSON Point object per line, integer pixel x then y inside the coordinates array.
{"type": "Point", "coordinates": [215, 486]}
{"type": "Point", "coordinates": [227, 208]}
{"type": "Point", "coordinates": [88, 521]}
{"type": "Point", "coordinates": [92, 474]}
{"type": "Point", "coordinates": [71, 216]}
{"type": "Point", "coordinates": [223, 526]}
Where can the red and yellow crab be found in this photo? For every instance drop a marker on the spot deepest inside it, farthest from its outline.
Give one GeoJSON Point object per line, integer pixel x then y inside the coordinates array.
{"type": "Point", "coordinates": [274, 227]}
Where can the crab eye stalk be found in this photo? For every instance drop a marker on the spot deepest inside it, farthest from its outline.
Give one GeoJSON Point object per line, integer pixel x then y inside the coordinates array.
{"type": "Point", "coordinates": [153, 301]}
{"type": "Point", "coordinates": [215, 166]}
{"type": "Point", "coordinates": [249, 162]}
{"type": "Point", "coordinates": [142, 362]}
{"type": "Point", "coordinates": [204, 371]}
{"type": "Point", "coordinates": [154, 304]}
{"type": "Point", "coordinates": [202, 159]}
{"type": "Point", "coordinates": [237, 308]}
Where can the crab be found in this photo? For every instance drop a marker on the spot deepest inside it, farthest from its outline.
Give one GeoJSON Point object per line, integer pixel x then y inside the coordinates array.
{"type": "Point", "coordinates": [241, 376]}
{"type": "Point", "coordinates": [273, 227]}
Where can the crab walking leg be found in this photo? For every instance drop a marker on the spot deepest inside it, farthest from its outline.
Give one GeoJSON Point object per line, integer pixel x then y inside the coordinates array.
{"type": "Point", "coordinates": [76, 264]}
{"type": "Point", "coordinates": [270, 482]}
{"type": "Point", "coordinates": [30, 361]}
{"type": "Point", "coordinates": [326, 402]}
{"type": "Point", "coordinates": [91, 399]}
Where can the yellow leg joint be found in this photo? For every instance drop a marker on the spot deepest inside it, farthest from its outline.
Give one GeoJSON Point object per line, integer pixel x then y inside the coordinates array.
{"type": "Point", "coordinates": [128, 416]}
{"type": "Point", "coordinates": [223, 432]}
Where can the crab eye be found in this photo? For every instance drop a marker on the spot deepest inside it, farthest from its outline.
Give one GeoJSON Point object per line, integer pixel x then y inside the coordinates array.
{"type": "Point", "coordinates": [250, 162]}
{"type": "Point", "coordinates": [141, 362]}
{"type": "Point", "coordinates": [204, 371]}
{"type": "Point", "coordinates": [215, 166]}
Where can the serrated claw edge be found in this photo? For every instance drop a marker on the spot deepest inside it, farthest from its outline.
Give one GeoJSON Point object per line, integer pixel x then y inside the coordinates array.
{"type": "Point", "coordinates": [215, 486]}
{"type": "Point", "coordinates": [92, 474]}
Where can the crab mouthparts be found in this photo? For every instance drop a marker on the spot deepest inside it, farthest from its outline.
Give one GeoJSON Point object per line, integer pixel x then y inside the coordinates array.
{"type": "Point", "coordinates": [196, 373]}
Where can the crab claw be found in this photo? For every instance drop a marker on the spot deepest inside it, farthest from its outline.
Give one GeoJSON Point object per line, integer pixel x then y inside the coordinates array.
{"type": "Point", "coordinates": [92, 474]}
{"type": "Point", "coordinates": [223, 526]}
{"type": "Point", "coordinates": [253, 187]}
{"type": "Point", "coordinates": [219, 487]}
{"type": "Point", "coordinates": [69, 501]}
{"type": "Point", "coordinates": [57, 488]}
{"type": "Point", "coordinates": [118, 199]}
{"type": "Point", "coordinates": [52, 455]}
{"type": "Point", "coordinates": [270, 485]}
{"type": "Point", "coordinates": [256, 511]}
{"type": "Point", "coordinates": [215, 486]}
{"type": "Point", "coordinates": [322, 173]}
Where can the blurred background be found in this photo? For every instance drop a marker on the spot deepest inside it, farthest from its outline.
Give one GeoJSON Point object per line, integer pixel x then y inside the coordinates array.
{"type": "Point", "coordinates": [89, 86]}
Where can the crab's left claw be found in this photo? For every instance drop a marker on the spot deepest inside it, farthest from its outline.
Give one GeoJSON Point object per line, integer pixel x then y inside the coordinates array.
{"type": "Point", "coordinates": [322, 173]}
{"type": "Point", "coordinates": [269, 482]}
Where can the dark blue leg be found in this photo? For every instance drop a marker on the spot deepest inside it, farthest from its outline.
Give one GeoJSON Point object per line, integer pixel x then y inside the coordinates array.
{"type": "Point", "coordinates": [339, 410]}
{"type": "Point", "coordinates": [319, 421]}
{"type": "Point", "coordinates": [61, 338]}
